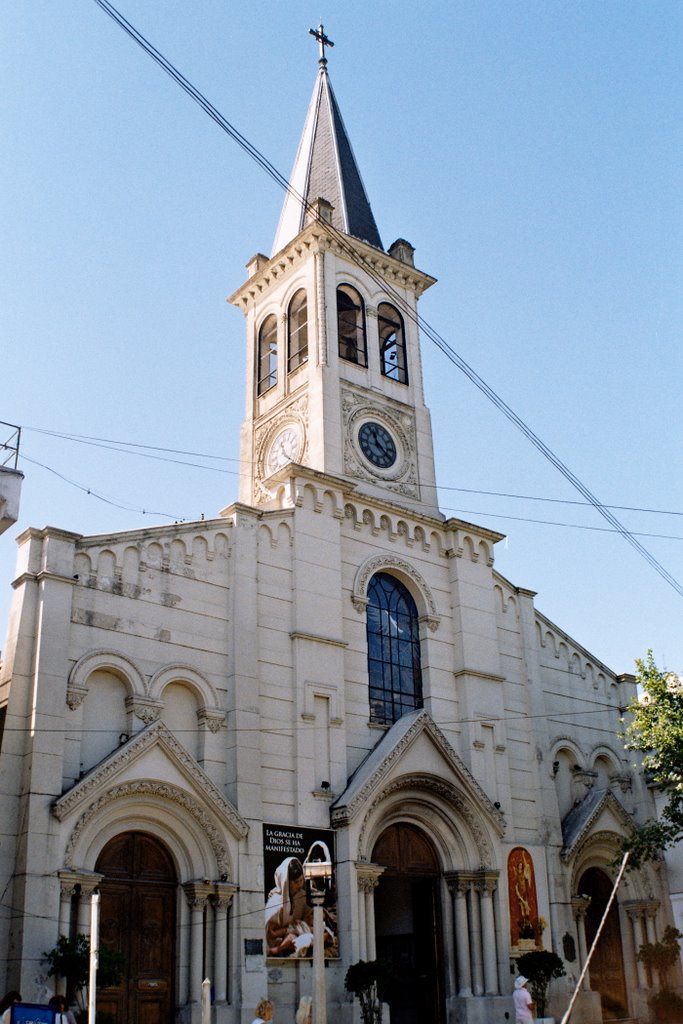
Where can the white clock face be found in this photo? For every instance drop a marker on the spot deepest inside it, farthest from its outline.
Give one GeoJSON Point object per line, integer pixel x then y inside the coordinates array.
{"type": "Point", "coordinates": [284, 448]}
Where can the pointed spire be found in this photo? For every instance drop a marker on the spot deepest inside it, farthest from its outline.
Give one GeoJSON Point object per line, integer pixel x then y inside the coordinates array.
{"type": "Point", "coordinates": [325, 167]}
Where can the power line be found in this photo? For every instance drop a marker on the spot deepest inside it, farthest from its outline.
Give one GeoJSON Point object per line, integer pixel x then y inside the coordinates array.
{"type": "Point", "coordinates": [114, 444]}
{"type": "Point", "coordinates": [357, 257]}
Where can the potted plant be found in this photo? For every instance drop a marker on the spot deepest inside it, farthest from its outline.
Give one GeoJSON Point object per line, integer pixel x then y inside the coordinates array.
{"type": "Point", "coordinates": [540, 966]}
{"type": "Point", "coordinates": [70, 959]}
{"type": "Point", "coordinates": [369, 980]}
{"type": "Point", "coordinates": [666, 1005]}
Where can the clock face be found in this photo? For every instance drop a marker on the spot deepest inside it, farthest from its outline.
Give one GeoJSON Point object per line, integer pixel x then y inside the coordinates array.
{"type": "Point", "coordinates": [377, 445]}
{"type": "Point", "coordinates": [284, 448]}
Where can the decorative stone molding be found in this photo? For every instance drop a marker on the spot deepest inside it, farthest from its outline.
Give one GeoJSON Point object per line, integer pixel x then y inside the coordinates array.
{"type": "Point", "coordinates": [146, 710]}
{"type": "Point", "coordinates": [106, 660]}
{"type": "Point", "coordinates": [181, 673]}
{"type": "Point", "coordinates": [444, 792]}
{"type": "Point", "coordinates": [580, 905]}
{"type": "Point", "coordinates": [459, 882]}
{"type": "Point", "coordinates": [162, 791]}
{"type": "Point", "coordinates": [400, 420]}
{"type": "Point", "coordinates": [264, 434]}
{"type": "Point", "coordinates": [368, 875]}
{"type": "Point", "coordinates": [84, 882]}
{"type": "Point", "coordinates": [223, 893]}
{"type": "Point", "coordinates": [75, 695]}
{"type": "Point", "coordinates": [154, 735]}
{"type": "Point", "coordinates": [422, 722]}
{"type": "Point", "coordinates": [197, 894]}
{"type": "Point", "coordinates": [212, 718]}
{"type": "Point", "coordinates": [379, 563]}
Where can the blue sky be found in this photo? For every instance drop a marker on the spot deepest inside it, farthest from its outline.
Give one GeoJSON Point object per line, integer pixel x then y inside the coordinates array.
{"type": "Point", "coordinates": [529, 150]}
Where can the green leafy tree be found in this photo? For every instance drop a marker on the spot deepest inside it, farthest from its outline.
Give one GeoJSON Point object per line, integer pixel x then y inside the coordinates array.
{"type": "Point", "coordinates": [70, 959]}
{"type": "Point", "coordinates": [540, 966]}
{"type": "Point", "coordinates": [662, 957]}
{"type": "Point", "coordinates": [656, 729]}
{"type": "Point", "coordinates": [370, 981]}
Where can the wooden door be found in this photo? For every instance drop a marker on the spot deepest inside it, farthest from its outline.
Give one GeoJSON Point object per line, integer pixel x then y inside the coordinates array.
{"type": "Point", "coordinates": [137, 917]}
{"type": "Point", "coordinates": [407, 924]}
{"type": "Point", "coordinates": [606, 969]}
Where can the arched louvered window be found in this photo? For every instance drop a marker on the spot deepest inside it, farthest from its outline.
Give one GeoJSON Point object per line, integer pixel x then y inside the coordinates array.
{"type": "Point", "coordinates": [351, 325]}
{"type": "Point", "coordinates": [394, 661]}
{"type": "Point", "coordinates": [297, 331]}
{"type": "Point", "coordinates": [267, 354]}
{"type": "Point", "coordinates": [392, 343]}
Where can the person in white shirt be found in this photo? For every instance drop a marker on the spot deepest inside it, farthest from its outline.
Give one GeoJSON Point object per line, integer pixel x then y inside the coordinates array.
{"type": "Point", "coordinates": [524, 1004]}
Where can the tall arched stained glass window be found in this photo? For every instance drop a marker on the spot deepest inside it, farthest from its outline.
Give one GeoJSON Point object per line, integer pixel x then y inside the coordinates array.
{"type": "Point", "coordinates": [394, 664]}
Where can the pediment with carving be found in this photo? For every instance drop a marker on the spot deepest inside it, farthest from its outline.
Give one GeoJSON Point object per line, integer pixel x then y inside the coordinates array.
{"type": "Point", "coordinates": [152, 757]}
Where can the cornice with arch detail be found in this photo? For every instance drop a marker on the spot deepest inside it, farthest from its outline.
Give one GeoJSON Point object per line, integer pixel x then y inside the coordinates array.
{"type": "Point", "coordinates": [156, 734]}
{"type": "Point", "coordinates": [377, 563]}
{"type": "Point", "coordinates": [444, 792]}
{"type": "Point", "coordinates": [161, 791]}
{"type": "Point", "coordinates": [77, 688]}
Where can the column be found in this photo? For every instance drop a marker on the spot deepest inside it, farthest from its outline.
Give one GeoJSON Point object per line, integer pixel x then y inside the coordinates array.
{"type": "Point", "coordinates": [449, 933]}
{"type": "Point", "coordinates": [486, 886]}
{"type": "Point", "coordinates": [460, 886]}
{"type": "Point", "coordinates": [221, 900]}
{"type": "Point", "coordinates": [197, 895]}
{"type": "Point", "coordinates": [66, 891]}
{"type": "Point", "coordinates": [87, 883]}
{"type": "Point", "coordinates": [475, 942]}
{"type": "Point", "coordinates": [637, 924]}
{"type": "Point", "coordinates": [580, 905]}
{"type": "Point", "coordinates": [368, 876]}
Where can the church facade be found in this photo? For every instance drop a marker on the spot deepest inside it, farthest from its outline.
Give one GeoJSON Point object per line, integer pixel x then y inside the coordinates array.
{"type": "Point", "coordinates": [190, 709]}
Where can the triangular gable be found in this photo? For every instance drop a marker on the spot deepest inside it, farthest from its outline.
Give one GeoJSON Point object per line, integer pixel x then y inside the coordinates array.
{"type": "Point", "coordinates": [413, 744]}
{"type": "Point", "coordinates": [153, 753]}
{"type": "Point", "coordinates": [598, 811]}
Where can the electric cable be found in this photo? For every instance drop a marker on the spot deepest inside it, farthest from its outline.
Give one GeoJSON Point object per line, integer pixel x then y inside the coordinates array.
{"type": "Point", "coordinates": [362, 260]}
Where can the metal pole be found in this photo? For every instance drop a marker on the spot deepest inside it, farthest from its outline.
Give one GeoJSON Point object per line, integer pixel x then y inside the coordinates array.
{"type": "Point", "coordinates": [94, 954]}
{"type": "Point", "coordinates": [597, 936]}
{"type": "Point", "coordinates": [319, 999]}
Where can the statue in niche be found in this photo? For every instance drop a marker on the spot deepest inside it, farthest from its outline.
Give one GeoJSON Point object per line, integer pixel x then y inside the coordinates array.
{"type": "Point", "coordinates": [526, 927]}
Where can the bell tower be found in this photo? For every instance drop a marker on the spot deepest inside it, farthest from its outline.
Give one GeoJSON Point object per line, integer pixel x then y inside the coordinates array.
{"type": "Point", "coordinates": [334, 375]}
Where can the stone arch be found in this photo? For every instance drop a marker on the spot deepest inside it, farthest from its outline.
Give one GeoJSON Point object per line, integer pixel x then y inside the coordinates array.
{"type": "Point", "coordinates": [119, 664]}
{"type": "Point", "coordinates": [204, 690]}
{"type": "Point", "coordinates": [429, 803]}
{"type": "Point", "coordinates": [407, 574]}
{"type": "Point", "coordinates": [194, 837]}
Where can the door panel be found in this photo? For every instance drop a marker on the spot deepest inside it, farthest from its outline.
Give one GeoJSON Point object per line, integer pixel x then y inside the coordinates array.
{"type": "Point", "coordinates": [137, 917]}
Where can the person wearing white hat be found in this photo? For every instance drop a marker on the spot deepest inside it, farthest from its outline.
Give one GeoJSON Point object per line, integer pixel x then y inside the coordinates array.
{"type": "Point", "coordinates": [524, 1004]}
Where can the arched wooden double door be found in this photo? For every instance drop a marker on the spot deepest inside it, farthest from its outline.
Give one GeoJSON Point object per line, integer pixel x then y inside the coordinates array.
{"type": "Point", "coordinates": [606, 969]}
{"type": "Point", "coordinates": [137, 917]}
{"type": "Point", "coordinates": [407, 924]}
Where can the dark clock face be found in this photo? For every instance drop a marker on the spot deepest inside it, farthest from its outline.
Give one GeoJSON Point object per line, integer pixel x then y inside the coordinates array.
{"type": "Point", "coordinates": [377, 445]}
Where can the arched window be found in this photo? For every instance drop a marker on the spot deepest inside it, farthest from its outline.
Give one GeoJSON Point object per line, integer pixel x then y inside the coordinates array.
{"type": "Point", "coordinates": [351, 325]}
{"type": "Point", "coordinates": [394, 663]}
{"type": "Point", "coordinates": [392, 343]}
{"type": "Point", "coordinates": [297, 331]}
{"type": "Point", "coordinates": [267, 354]}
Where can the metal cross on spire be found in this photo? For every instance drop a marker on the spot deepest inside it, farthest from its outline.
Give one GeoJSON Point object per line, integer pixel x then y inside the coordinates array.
{"type": "Point", "coordinates": [323, 41]}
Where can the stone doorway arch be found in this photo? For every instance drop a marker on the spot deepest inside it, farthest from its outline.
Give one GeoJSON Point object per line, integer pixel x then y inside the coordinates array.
{"type": "Point", "coordinates": [408, 923]}
{"type": "Point", "coordinates": [138, 917]}
{"type": "Point", "coordinates": [606, 971]}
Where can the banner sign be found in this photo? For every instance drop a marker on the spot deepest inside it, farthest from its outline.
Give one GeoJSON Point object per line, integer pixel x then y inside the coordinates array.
{"type": "Point", "coordinates": [289, 918]}
{"type": "Point", "coordinates": [31, 1013]}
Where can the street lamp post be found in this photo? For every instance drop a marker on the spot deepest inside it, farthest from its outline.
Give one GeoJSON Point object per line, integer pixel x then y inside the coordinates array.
{"type": "Point", "coordinates": [318, 875]}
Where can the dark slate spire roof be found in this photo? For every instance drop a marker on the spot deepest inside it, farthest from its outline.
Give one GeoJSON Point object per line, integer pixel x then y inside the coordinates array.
{"type": "Point", "coordinates": [325, 167]}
